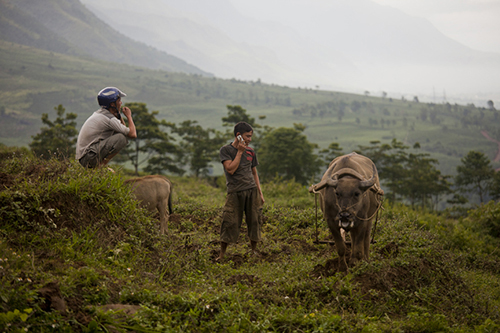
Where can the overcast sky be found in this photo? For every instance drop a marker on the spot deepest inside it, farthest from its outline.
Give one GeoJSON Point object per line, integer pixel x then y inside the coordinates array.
{"type": "Point", "coordinates": [475, 23]}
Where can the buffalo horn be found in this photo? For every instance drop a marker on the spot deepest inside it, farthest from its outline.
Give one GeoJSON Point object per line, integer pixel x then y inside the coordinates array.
{"type": "Point", "coordinates": [322, 184]}
{"type": "Point", "coordinates": [365, 184]}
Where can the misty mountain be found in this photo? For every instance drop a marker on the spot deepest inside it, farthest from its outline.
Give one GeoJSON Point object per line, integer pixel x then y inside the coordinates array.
{"type": "Point", "coordinates": [66, 26]}
{"type": "Point", "coordinates": [194, 38]}
{"type": "Point", "coordinates": [346, 45]}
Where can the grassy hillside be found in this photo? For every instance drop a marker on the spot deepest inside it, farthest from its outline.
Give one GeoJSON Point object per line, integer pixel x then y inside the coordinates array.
{"type": "Point", "coordinates": [33, 82]}
{"type": "Point", "coordinates": [77, 255]}
{"type": "Point", "coordinates": [66, 26]}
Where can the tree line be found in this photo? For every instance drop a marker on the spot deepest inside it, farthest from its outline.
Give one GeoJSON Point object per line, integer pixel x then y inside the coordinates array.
{"type": "Point", "coordinates": [162, 147]}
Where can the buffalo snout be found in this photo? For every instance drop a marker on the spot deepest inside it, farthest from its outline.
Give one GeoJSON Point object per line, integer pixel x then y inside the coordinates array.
{"type": "Point", "coordinates": [346, 220]}
{"type": "Point", "coordinates": [344, 216]}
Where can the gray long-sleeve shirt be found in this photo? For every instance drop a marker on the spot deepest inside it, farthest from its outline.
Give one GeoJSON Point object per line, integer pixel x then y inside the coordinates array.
{"type": "Point", "coordinates": [101, 125]}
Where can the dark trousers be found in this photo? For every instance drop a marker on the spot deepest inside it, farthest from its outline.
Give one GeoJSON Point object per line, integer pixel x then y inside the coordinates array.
{"type": "Point", "coordinates": [246, 202]}
{"type": "Point", "coordinates": [100, 150]}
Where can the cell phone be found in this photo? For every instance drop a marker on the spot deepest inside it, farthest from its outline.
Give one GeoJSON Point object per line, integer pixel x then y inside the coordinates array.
{"type": "Point", "coordinates": [240, 138]}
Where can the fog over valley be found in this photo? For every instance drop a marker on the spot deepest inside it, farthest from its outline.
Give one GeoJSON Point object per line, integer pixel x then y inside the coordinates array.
{"type": "Point", "coordinates": [353, 46]}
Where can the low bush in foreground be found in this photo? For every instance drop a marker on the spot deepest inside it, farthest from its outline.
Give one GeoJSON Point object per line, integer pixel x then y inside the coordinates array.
{"type": "Point", "coordinates": [78, 255]}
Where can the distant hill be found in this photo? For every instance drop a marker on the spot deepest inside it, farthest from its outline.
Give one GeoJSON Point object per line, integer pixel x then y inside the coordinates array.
{"type": "Point", "coordinates": [66, 26]}
{"type": "Point", "coordinates": [337, 45]}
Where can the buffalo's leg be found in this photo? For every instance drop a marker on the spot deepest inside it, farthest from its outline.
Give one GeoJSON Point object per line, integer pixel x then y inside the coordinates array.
{"type": "Point", "coordinates": [361, 242]}
{"type": "Point", "coordinates": [358, 244]}
{"type": "Point", "coordinates": [163, 209]}
{"type": "Point", "coordinates": [366, 240]}
{"type": "Point", "coordinates": [339, 244]}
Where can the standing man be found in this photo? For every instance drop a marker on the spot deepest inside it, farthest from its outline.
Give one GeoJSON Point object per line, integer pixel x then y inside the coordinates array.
{"type": "Point", "coordinates": [104, 133]}
{"type": "Point", "coordinates": [244, 194]}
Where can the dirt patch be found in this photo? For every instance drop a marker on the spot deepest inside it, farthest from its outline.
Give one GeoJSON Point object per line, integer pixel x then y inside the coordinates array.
{"type": "Point", "coordinates": [236, 259]}
{"type": "Point", "coordinates": [174, 219]}
{"type": "Point", "coordinates": [76, 306]}
{"type": "Point", "coordinates": [285, 249]}
{"type": "Point", "coordinates": [303, 245]}
{"type": "Point", "coordinates": [245, 279]}
{"type": "Point", "coordinates": [270, 257]}
{"type": "Point", "coordinates": [330, 268]}
{"type": "Point", "coordinates": [410, 277]}
{"type": "Point", "coordinates": [53, 299]}
{"type": "Point", "coordinates": [391, 250]}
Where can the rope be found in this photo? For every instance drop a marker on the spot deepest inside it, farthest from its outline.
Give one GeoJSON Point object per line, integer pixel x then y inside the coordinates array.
{"type": "Point", "coordinates": [316, 206]}
{"type": "Point", "coordinates": [376, 212]}
{"type": "Point", "coordinates": [375, 226]}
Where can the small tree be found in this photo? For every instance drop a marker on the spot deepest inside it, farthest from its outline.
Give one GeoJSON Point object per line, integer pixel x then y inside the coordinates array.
{"type": "Point", "coordinates": [151, 142]}
{"type": "Point", "coordinates": [393, 168]}
{"type": "Point", "coordinates": [235, 114]}
{"type": "Point", "coordinates": [475, 174]}
{"type": "Point", "coordinates": [494, 187]}
{"type": "Point", "coordinates": [425, 182]}
{"type": "Point", "coordinates": [59, 136]}
{"type": "Point", "coordinates": [329, 154]}
{"type": "Point", "coordinates": [286, 152]}
{"type": "Point", "coordinates": [201, 146]}
{"type": "Point", "coordinates": [165, 156]}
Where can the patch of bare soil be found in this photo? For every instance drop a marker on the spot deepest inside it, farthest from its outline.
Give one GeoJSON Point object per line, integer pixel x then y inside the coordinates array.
{"type": "Point", "coordinates": [174, 219]}
{"type": "Point", "coordinates": [330, 268]}
{"type": "Point", "coordinates": [76, 305]}
{"type": "Point", "coordinates": [410, 277]}
{"type": "Point", "coordinates": [303, 245]}
{"type": "Point", "coordinates": [53, 300]}
{"type": "Point", "coordinates": [237, 259]}
{"type": "Point", "coordinates": [391, 250]}
{"type": "Point", "coordinates": [270, 257]}
{"type": "Point", "coordinates": [245, 279]}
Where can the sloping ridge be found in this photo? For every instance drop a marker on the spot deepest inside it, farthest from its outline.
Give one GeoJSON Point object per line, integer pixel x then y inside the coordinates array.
{"type": "Point", "coordinates": [19, 27]}
{"type": "Point", "coordinates": [66, 26]}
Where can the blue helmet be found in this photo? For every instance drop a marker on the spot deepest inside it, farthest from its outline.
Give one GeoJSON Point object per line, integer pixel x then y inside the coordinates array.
{"type": "Point", "coordinates": [109, 95]}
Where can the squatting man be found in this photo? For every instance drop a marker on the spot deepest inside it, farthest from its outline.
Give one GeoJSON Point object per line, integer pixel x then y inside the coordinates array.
{"type": "Point", "coordinates": [104, 133]}
{"type": "Point", "coordinates": [244, 194]}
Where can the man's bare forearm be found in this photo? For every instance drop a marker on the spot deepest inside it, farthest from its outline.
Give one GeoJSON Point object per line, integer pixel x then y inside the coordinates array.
{"type": "Point", "coordinates": [231, 166]}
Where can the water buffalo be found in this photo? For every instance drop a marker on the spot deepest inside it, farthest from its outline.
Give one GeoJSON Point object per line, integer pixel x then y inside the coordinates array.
{"type": "Point", "coordinates": [154, 193]}
{"type": "Point", "coordinates": [350, 196]}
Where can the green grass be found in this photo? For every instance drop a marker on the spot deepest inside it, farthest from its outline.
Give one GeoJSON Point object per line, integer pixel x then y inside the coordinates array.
{"type": "Point", "coordinates": [77, 235]}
